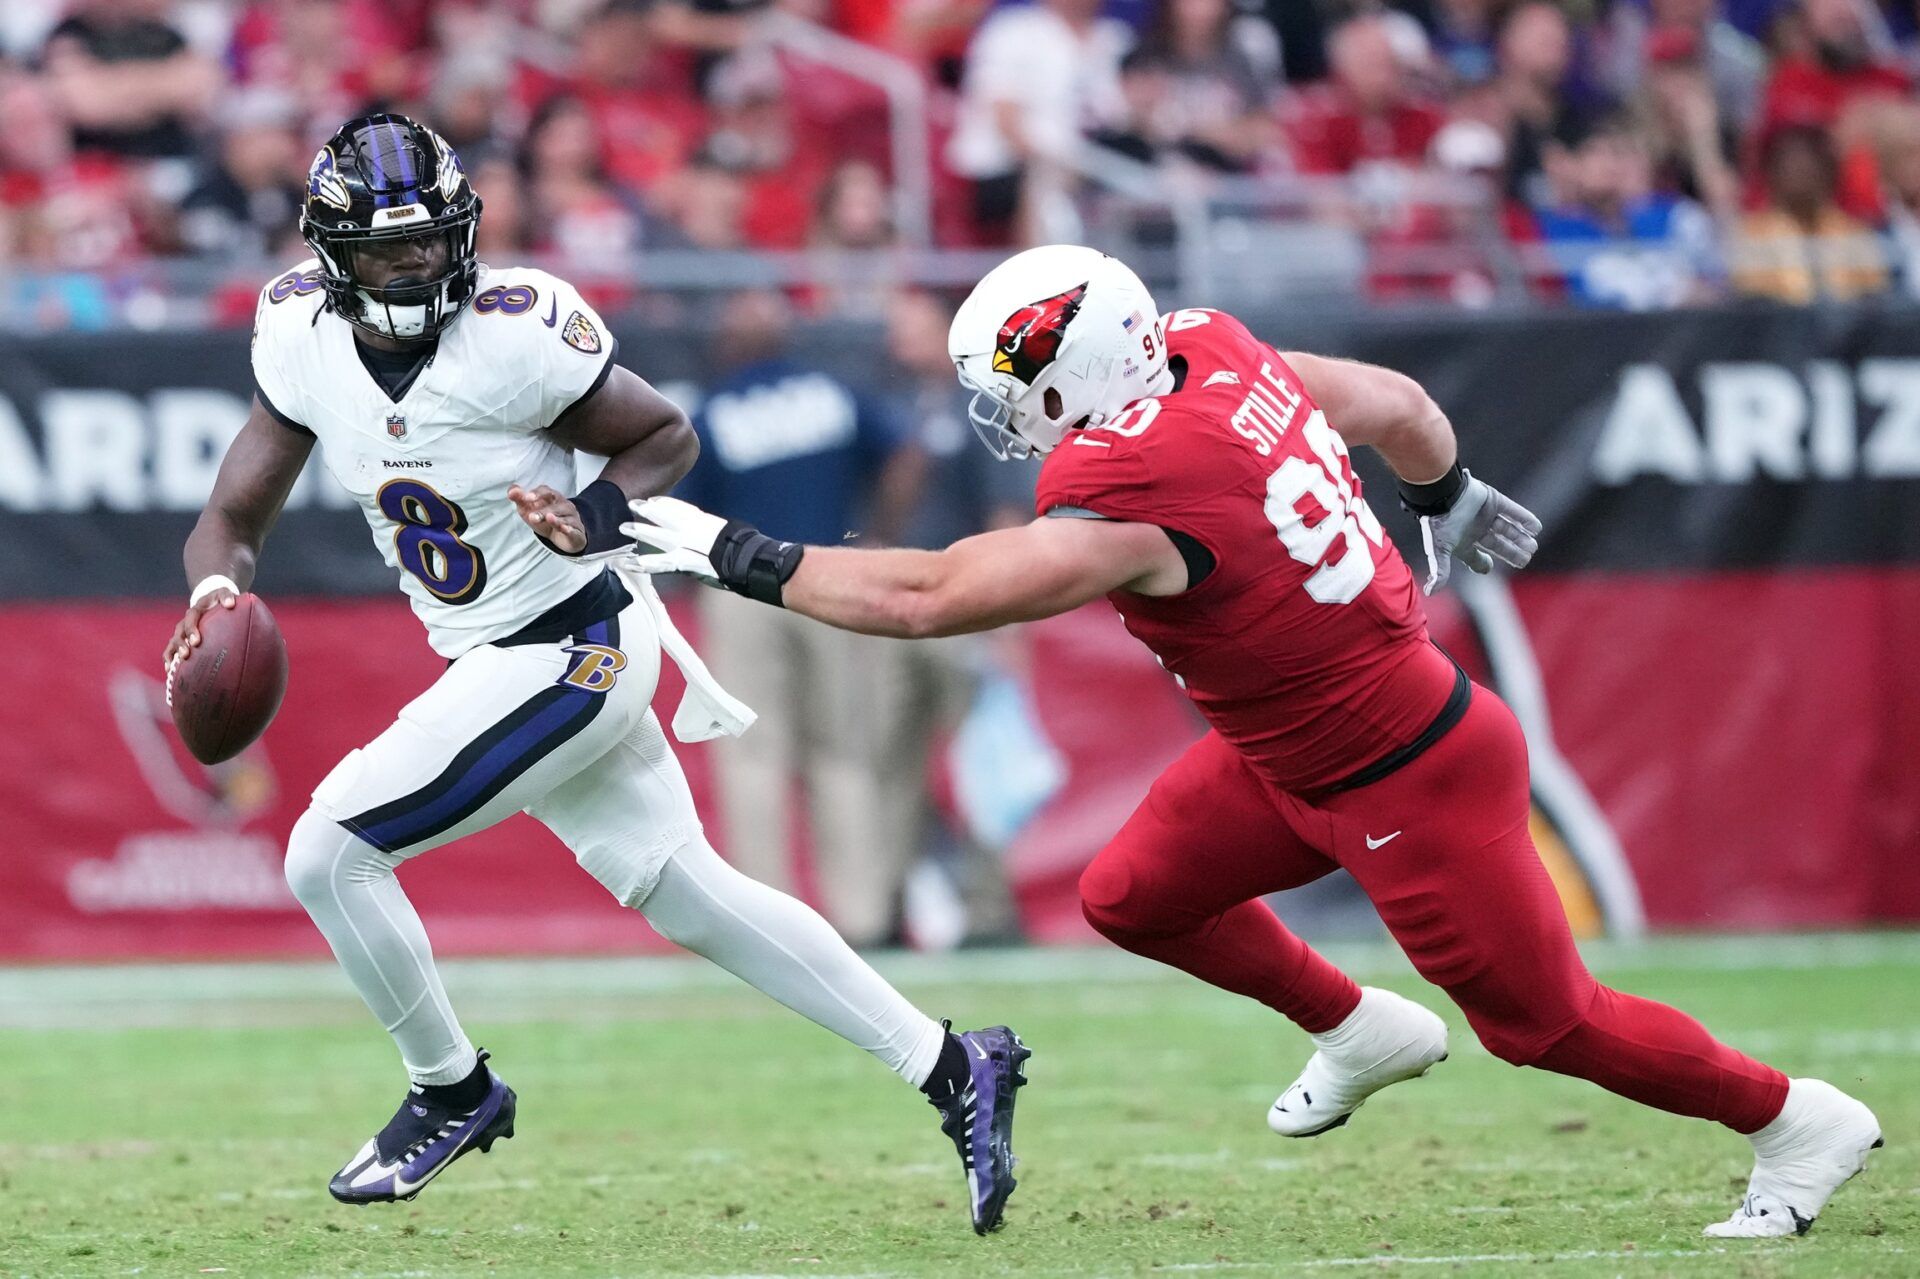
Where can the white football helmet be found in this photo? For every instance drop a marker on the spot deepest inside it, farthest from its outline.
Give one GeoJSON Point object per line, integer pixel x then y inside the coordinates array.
{"type": "Point", "coordinates": [1053, 339]}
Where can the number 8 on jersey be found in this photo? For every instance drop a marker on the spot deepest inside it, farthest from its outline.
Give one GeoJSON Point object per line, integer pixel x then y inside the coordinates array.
{"type": "Point", "coordinates": [427, 541]}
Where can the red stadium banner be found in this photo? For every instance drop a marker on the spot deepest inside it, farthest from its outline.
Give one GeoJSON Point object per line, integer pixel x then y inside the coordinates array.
{"type": "Point", "coordinates": [1712, 655]}
{"type": "Point", "coordinates": [129, 847]}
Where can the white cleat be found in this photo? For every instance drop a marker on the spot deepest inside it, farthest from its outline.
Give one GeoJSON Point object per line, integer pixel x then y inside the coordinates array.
{"type": "Point", "coordinates": [1383, 1041]}
{"type": "Point", "coordinates": [1817, 1143]}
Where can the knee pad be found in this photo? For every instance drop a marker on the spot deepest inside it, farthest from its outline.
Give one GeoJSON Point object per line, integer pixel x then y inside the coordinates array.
{"type": "Point", "coordinates": [311, 850]}
{"type": "Point", "coordinates": [1115, 903]}
{"type": "Point", "coordinates": [689, 892]}
{"type": "Point", "coordinates": [320, 850]}
{"type": "Point", "coordinates": [1518, 1009]}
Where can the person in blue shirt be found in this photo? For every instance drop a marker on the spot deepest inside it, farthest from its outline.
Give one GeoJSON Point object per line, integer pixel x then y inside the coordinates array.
{"type": "Point", "coordinates": [951, 488]}
{"type": "Point", "coordinates": [788, 444]}
{"type": "Point", "coordinates": [780, 436]}
{"type": "Point", "coordinates": [1613, 239]}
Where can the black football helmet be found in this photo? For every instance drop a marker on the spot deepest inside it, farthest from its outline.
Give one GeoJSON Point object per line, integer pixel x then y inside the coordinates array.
{"type": "Point", "coordinates": [383, 178]}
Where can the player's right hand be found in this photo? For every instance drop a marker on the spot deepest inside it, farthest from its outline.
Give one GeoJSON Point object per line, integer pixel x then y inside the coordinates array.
{"type": "Point", "coordinates": [186, 636]}
{"type": "Point", "coordinates": [1482, 525]}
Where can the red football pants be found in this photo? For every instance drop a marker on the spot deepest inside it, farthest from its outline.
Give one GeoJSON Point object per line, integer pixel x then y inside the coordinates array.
{"type": "Point", "coordinates": [1441, 847]}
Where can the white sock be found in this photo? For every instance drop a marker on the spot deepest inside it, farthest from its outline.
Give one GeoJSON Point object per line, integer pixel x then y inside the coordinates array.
{"type": "Point", "coordinates": [1357, 1024]}
{"type": "Point", "coordinates": [783, 948]}
{"type": "Point", "coordinates": [349, 890]}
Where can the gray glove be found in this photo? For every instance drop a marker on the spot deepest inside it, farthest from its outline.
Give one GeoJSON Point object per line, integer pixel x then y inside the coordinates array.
{"type": "Point", "coordinates": [1482, 525]}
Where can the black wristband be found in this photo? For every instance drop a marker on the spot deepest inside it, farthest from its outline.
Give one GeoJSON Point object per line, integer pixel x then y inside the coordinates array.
{"type": "Point", "coordinates": [752, 564]}
{"type": "Point", "coordinates": [1436, 498]}
{"type": "Point", "coordinates": [603, 509]}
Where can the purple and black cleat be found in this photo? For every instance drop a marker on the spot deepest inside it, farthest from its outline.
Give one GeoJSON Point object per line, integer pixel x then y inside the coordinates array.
{"type": "Point", "coordinates": [979, 1119]}
{"type": "Point", "coordinates": [420, 1142]}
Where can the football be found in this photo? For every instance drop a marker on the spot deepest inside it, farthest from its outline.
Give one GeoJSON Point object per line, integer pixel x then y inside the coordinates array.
{"type": "Point", "coordinates": [226, 691]}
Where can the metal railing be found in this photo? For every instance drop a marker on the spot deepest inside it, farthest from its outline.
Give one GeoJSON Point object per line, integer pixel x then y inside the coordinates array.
{"type": "Point", "coordinates": [1197, 238]}
{"type": "Point", "coordinates": [1304, 235]}
{"type": "Point", "coordinates": [907, 123]}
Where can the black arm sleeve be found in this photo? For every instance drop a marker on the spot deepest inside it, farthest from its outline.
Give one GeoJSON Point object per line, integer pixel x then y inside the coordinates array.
{"type": "Point", "coordinates": [603, 509]}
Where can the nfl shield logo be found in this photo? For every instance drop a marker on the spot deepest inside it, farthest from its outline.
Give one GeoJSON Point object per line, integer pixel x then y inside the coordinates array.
{"type": "Point", "coordinates": [396, 425]}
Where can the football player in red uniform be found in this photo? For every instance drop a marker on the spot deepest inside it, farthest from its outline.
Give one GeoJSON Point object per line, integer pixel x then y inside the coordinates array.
{"type": "Point", "coordinates": [1199, 479]}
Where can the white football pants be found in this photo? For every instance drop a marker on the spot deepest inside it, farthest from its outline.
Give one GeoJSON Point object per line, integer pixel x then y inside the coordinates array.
{"type": "Point", "coordinates": [566, 732]}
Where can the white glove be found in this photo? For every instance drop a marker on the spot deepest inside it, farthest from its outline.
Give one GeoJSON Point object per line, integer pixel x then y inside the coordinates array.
{"type": "Point", "coordinates": [672, 536]}
{"type": "Point", "coordinates": [1482, 525]}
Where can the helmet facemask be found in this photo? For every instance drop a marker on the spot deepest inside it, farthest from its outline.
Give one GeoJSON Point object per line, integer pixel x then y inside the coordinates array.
{"type": "Point", "coordinates": [411, 309]}
{"type": "Point", "coordinates": [992, 414]}
{"type": "Point", "coordinates": [1017, 422]}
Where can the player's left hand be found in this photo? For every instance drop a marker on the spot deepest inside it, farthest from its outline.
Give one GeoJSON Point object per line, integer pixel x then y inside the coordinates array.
{"type": "Point", "coordinates": [671, 536]}
{"type": "Point", "coordinates": [551, 516]}
{"type": "Point", "coordinates": [1482, 525]}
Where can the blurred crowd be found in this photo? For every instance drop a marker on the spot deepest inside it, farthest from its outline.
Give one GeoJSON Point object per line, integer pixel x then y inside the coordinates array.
{"type": "Point", "coordinates": [1634, 153]}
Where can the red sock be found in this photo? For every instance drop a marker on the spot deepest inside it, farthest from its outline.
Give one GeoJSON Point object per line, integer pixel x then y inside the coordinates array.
{"type": "Point", "coordinates": [1248, 951]}
{"type": "Point", "coordinates": [1660, 1057]}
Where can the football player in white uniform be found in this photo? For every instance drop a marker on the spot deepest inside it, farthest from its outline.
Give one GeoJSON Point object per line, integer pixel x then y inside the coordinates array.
{"type": "Point", "coordinates": [449, 398]}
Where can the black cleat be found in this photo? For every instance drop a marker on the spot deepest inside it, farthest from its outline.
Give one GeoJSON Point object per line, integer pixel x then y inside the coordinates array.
{"type": "Point", "coordinates": [419, 1143]}
{"type": "Point", "coordinates": [979, 1119]}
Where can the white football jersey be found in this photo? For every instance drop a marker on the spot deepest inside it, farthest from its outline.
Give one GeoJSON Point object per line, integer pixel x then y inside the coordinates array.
{"type": "Point", "coordinates": [431, 469]}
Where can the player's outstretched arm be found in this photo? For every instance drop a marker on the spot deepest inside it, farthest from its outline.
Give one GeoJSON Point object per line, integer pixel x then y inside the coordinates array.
{"type": "Point", "coordinates": [255, 477]}
{"type": "Point", "coordinates": [1010, 575]}
{"type": "Point", "coordinates": [649, 446]}
{"type": "Point", "coordinates": [1460, 517]}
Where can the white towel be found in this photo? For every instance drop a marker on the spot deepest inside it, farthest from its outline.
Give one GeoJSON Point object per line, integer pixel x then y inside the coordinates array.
{"type": "Point", "coordinates": [706, 710]}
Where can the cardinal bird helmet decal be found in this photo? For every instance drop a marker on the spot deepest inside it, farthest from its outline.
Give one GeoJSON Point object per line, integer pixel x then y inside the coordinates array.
{"type": "Point", "coordinates": [1030, 339]}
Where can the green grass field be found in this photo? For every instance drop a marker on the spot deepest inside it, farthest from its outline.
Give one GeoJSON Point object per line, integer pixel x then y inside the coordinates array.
{"type": "Point", "coordinates": [181, 1121]}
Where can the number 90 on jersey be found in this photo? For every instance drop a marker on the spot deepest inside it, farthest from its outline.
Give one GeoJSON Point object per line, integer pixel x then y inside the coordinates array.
{"type": "Point", "coordinates": [1326, 478]}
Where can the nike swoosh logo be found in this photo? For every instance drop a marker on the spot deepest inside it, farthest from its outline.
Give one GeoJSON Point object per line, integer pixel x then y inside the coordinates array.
{"type": "Point", "coordinates": [553, 313]}
{"type": "Point", "coordinates": [402, 1187]}
{"type": "Point", "coordinates": [978, 1049]}
{"type": "Point", "coordinates": [1376, 843]}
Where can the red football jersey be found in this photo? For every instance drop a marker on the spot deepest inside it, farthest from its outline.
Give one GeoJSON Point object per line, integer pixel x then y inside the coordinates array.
{"type": "Point", "coordinates": [1306, 647]}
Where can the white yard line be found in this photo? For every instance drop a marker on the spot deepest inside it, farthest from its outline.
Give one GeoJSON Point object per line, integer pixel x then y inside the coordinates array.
{"type": "Point", "coordinates": [80, 997]}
